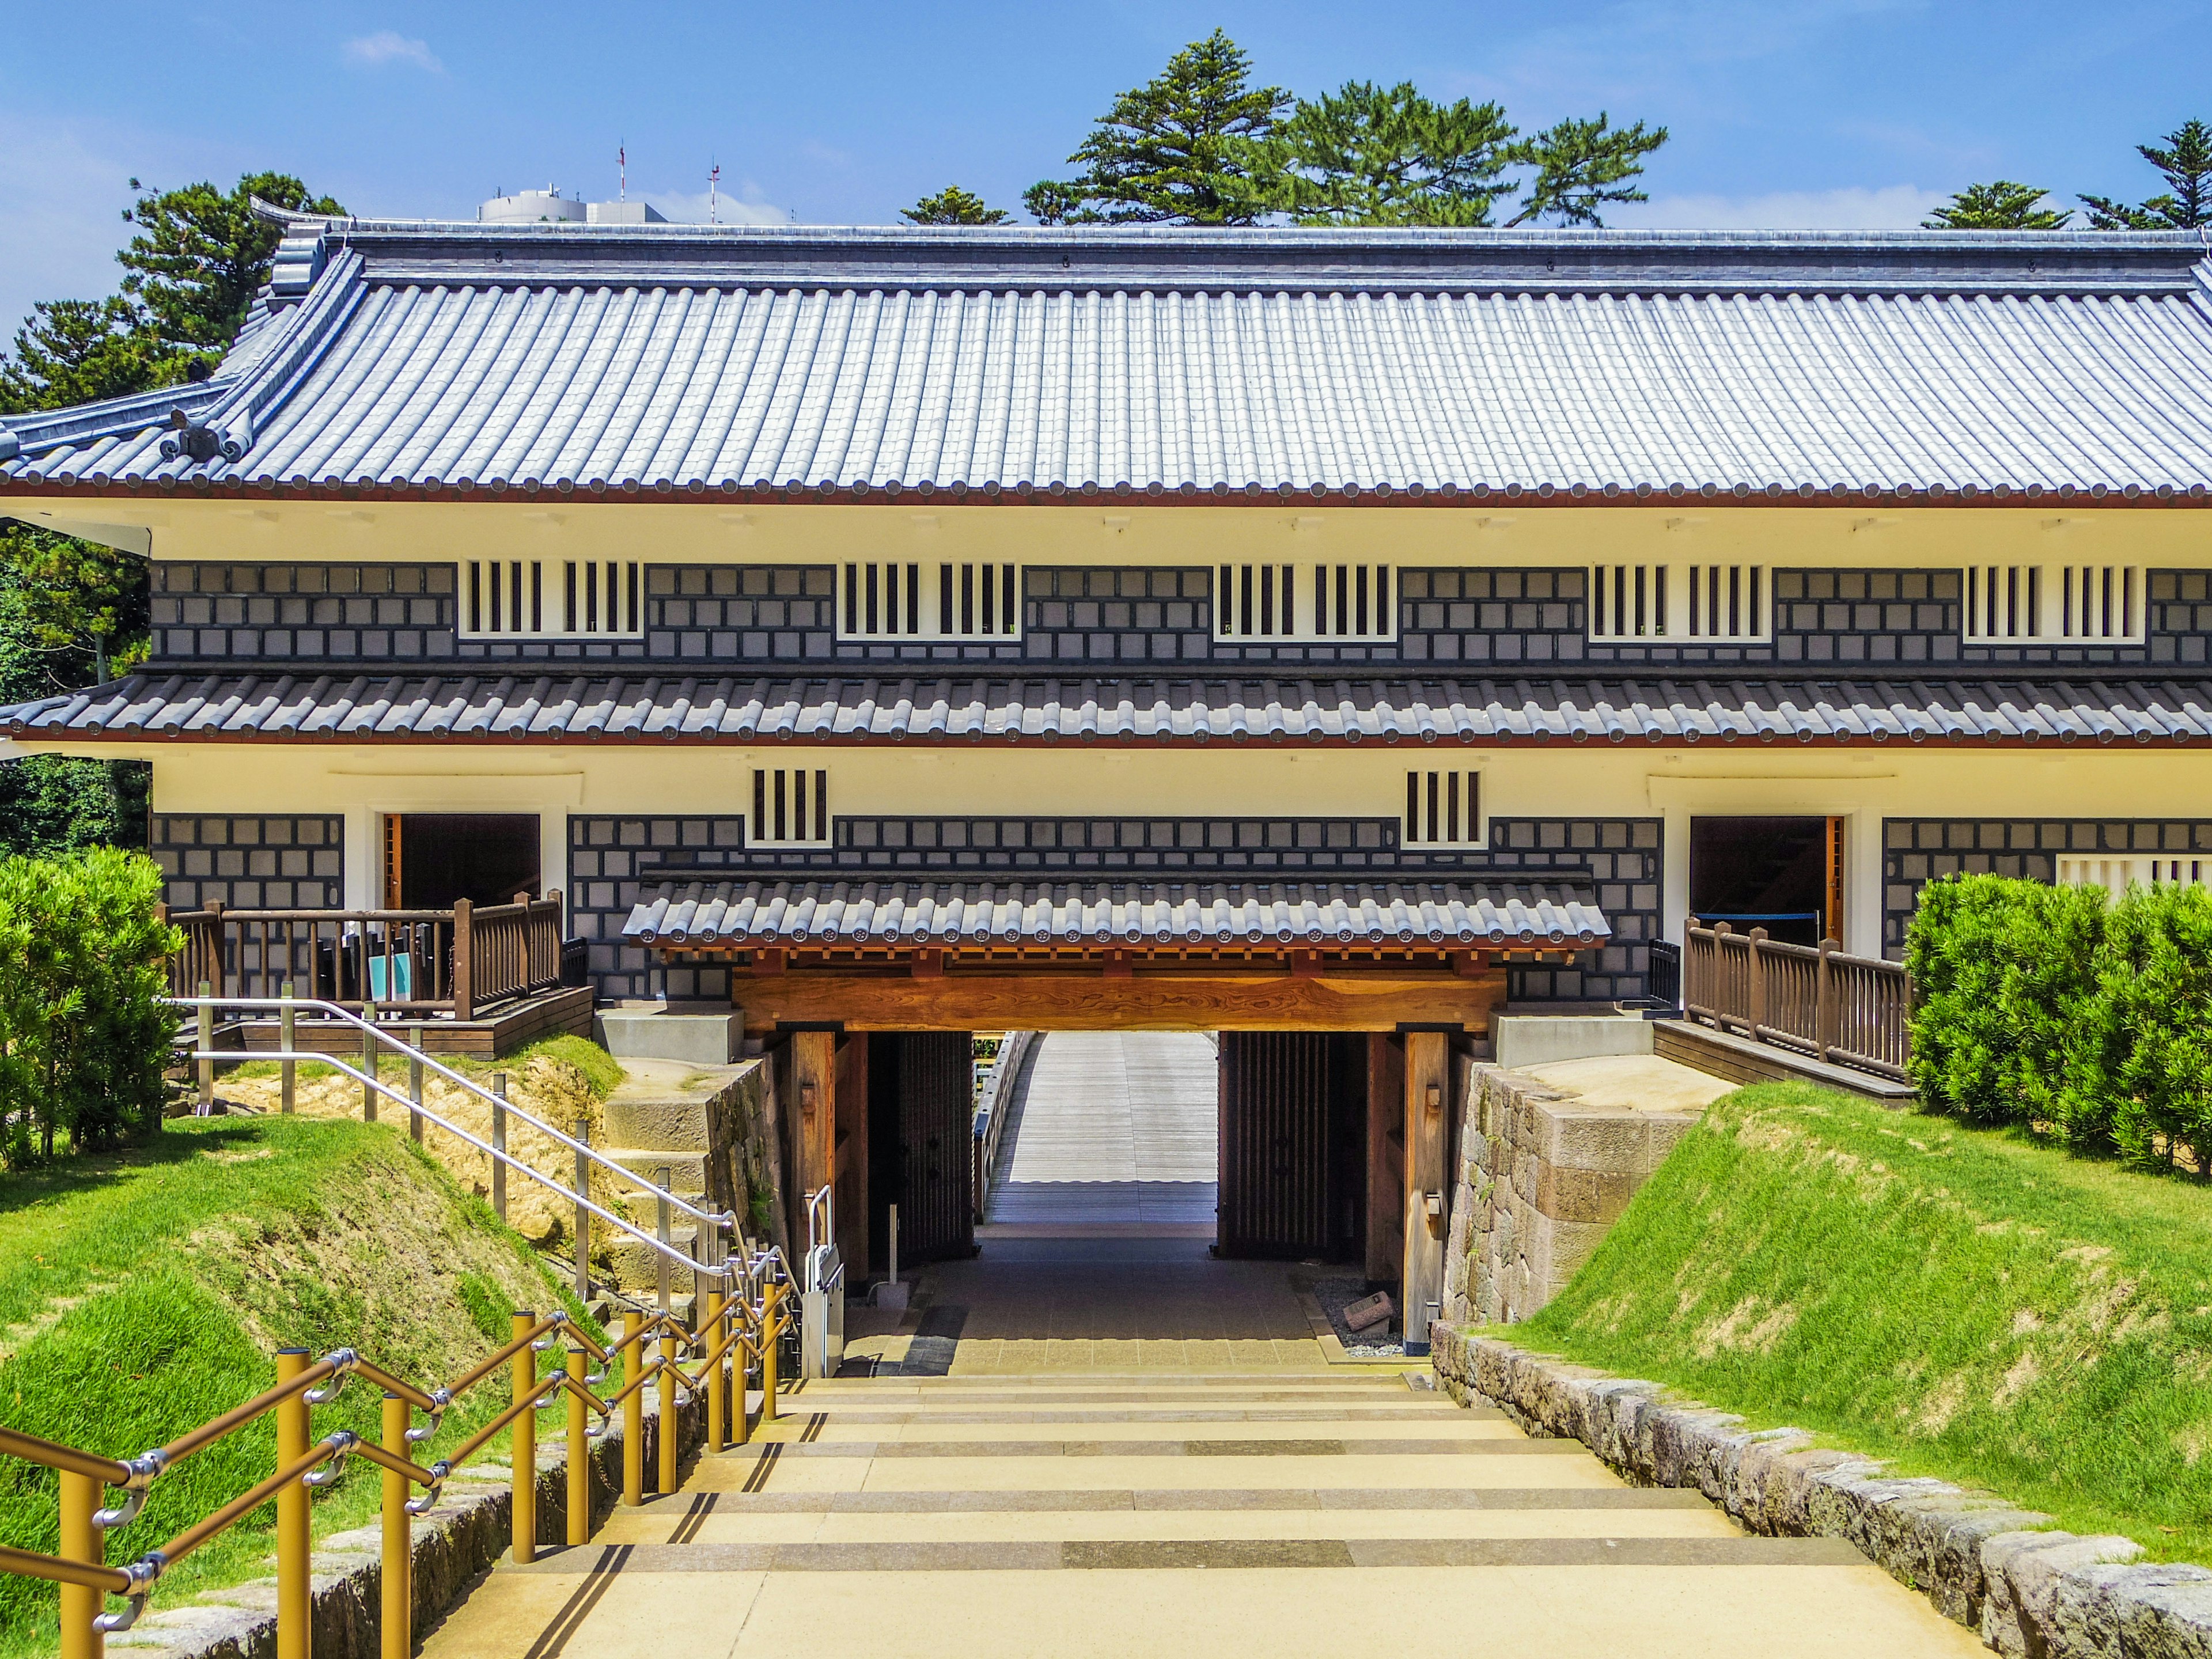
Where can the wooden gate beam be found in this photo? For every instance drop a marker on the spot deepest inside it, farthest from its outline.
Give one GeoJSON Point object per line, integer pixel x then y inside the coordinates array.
{"type": "Point", "coordinates": [1141, 1002]}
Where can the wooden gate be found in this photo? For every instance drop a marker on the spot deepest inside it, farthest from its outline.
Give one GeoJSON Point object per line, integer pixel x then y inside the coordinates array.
{"type": "Point", "coordinates": [1292, 1171]}
{"type": "Point", "coordinates": [936, 1121]}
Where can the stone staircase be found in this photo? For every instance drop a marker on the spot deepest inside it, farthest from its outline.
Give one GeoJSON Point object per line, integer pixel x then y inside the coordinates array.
{"type": "Point", "coordinates": [662, 1116]}
{"type": "Point", "coordinates": [1314, 1512]}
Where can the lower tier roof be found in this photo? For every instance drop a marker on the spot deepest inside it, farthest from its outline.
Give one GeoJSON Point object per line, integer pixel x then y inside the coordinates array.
{"type": "Point", "coordinates": [1165, 914]}
{"type": "Point", "coordinates": [339, 707]}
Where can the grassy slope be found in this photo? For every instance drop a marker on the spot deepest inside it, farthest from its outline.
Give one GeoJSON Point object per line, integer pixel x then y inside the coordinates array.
{"type": "Point", "coordinates": [1964, 1301]}
{"type": "Point", "coordinates": [143, 1293]}
{"type": "Point", "coordinates": [601, 1071]}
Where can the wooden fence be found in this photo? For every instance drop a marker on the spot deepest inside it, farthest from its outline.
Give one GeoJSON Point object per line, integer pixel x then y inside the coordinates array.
{"type": "Point", "coordinates": [1848, 1011]}
{"type": "Point", "coordinates": [456, 961]}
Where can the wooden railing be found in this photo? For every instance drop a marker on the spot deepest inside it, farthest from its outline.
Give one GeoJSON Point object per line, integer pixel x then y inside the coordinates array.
{"type": "Point", "coordinates": [1848, 1011]}
{"type": "Point", "coordinates": [455, 962]}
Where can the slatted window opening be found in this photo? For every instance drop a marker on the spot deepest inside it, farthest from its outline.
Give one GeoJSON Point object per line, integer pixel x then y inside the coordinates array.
{"type": "Point", "coordinates": [895, 600]}
{"type": "Point", "coordinates": [2084, 603]}
{"type": "Point", "coordinates": [2117, 875]}
{"type": "Point", "coordinates": [1443, 809]}
{"type": "Point", "coordinates": [791, 806]}
{"type": "Point", "coordinates": [1304, 602]}
{"type": "Point", "coordinates": [552, 600]}
{"type": "Point", "coordinates": [1719, 603]}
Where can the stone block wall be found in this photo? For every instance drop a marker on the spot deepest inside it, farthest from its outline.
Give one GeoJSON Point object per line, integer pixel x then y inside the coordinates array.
{"type": "Point", "coordinates": [1540, 1177]}
{"type": "Point", "coordinates": [610, 861]}
{"type": "Point", "coordinates": [251, 861]}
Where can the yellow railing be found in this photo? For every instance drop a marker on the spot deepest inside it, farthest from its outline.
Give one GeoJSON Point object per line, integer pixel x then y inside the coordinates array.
{"type": "Point", "coordinates": [745, 1327]}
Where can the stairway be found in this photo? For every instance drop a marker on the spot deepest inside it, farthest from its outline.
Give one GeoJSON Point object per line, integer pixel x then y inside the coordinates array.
{"type": "Point", "coordinates": [1313, 1512]}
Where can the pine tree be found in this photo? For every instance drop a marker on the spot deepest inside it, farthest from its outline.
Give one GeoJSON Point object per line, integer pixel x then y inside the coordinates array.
{"type": "Point", "coordinates": [1369, 155]}
{"type": "Point", "coordinates": [1186, 148]}
{"type": "Point", "coordinates": [78, 351]}
{"type": "Point", "coordinates": [2004, 205]}
{"type": "Point", "coordinates": [2187, 165]}
{"type": "Point", "coordinates": [953, 206]}
{"type": "Point", "coordinates": [1581, 166]}
{"type": "Point", "coordinates": [200, 254]}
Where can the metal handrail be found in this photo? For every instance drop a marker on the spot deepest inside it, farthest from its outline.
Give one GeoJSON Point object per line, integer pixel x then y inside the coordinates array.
{"type": "Point", "coordinates": [726, 1220]}
{"type": "Point", "coordinates": [86, 1580]}
{"type": "Point", "coordinates": [721, 1271]}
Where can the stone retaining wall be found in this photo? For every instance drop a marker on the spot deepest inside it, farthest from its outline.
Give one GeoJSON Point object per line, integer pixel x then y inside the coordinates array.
{"type": "Point", "coordinates": [455, 1545]}
{"type": "Point", "coordinates": [2030, 1593]}
{"type": "Point", "coordinates": [1542, 1175]}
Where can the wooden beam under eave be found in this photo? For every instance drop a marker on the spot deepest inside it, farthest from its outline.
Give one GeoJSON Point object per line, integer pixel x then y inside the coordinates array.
{"type": "Point", "coordinates": [1164, 1002]}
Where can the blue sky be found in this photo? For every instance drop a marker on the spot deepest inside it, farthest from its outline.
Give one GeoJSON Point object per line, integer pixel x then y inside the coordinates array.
{"type": "Point", "coordinates": [1784, 112]}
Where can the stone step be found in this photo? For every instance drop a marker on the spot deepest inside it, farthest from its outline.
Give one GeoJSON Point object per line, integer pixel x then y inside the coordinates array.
{"type": "Point", "coordinates": [687, 1170]}
{"type": "Point", "coordinates": [637, 1264]}
{"type": "Point", "coordinates": [640, 1118]}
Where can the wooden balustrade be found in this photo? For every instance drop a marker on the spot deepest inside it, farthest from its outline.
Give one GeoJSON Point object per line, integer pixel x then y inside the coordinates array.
{"type": "Point", "coordinates": [1845, 1010]}
{"type": "Point", "coordinates": [456, 961]}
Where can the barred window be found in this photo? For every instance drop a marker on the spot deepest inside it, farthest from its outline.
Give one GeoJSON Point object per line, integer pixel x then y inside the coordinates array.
{"type": "Point", "coordinates": [891, 599]}
{"type": "Point", "coordinates": [791, 806]}
{"type": "Point", "coordinates": [1304, 602]}
{"type": "Point", "coordinates": [2059, 602]}
{"type": "Point", "coordinates": [1721, 603]}
{"type": "Point", "coordinates": [551, 599]}
{"type": "Point", "coordinates": [1443, 809]}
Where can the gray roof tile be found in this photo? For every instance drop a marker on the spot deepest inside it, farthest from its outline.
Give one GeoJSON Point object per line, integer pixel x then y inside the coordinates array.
{"type": "Point", "coordinates": [668, 708]}
{"type": "Point", "coordinates": [742, 915]}
{"type": "Point", "coordinates": [458, 358]}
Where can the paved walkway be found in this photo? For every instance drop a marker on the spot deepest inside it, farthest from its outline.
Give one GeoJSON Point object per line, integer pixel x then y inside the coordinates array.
{"type": "Point", "coordinates": [1110, 1130]}
{"type": "Point", "coordinates": [1217, 1516]}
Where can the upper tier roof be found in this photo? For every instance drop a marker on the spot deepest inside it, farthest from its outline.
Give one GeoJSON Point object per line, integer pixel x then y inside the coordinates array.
{"type": "Point", "coordinates": [453, 358]}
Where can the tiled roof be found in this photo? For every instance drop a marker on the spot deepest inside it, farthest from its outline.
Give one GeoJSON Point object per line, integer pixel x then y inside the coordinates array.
{"type": "Point", "coordinates": [1321, 914]}
{"type": "Point", "coordinates": [689, 360]}
{"type": "Point", "coordinates": [366, 708]}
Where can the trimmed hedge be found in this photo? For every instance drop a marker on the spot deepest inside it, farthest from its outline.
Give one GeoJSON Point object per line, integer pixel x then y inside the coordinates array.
{"type": "Point", "coordinates": [2083, 1020]}
{"type": "Point", "coordinates": [84, 1030]}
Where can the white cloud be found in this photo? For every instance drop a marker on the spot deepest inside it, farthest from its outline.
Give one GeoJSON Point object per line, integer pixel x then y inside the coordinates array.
{"type": "Point", "coordinates": [390, 46]}
{"type": "Point", "coordinates": [1886, 207]}
{"type": "Point", "coordinates": [730, 208]}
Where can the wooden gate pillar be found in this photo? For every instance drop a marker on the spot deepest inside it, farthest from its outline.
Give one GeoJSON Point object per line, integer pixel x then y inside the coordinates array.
{"type": "Point", "coordinates": [1427, 1198]}
{"type": "Point", "coordinates": [813, 1119]}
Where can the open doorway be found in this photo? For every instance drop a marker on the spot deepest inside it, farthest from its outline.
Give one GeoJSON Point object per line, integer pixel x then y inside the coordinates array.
{"type": "Point", "coordinates": [433, 859]}
{"type": "Point", "coordinates": [1784, 874]}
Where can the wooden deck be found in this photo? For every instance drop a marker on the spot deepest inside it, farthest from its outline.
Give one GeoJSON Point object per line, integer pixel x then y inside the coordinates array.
{"type": "Point", "coordinates": [566, 1011]}
{"type": "Point", "coordinates": [1113, 1130]}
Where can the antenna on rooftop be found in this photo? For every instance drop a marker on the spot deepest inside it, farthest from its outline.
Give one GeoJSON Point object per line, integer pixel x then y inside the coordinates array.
{"type": "Point", "coordinates": [713, 198]}
{"type": "Point", "coordinates": [622, 173]}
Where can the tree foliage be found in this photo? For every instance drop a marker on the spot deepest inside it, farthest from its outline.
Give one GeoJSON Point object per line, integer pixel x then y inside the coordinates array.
{"type": "Point", "coordinates": [79, 351]}
{"type": "Point", "coordinates": [1583, 166]}
{"type": "Point", "coordinates": [1187, 147]}
{"type": "Point", "coordinates": [1368, 155]}
{"type": "Point", "coordinates": [2186, 163]}
{"type": "Point", "coordinates": [2004, 205]}
{"type": "Point", "coordinates": [200, 255]}
{"type": "Point", "coordinates": [83, 969]}
{"type": "Point", "coordinates": [953, 206]}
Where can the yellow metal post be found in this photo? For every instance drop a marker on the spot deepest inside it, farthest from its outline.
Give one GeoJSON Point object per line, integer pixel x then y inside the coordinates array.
{"type": "Point", "coordinates": [768, 1333]}
{"type": "Point", "coordinates": [287, 1070]}
{"type": "Point", "coordinates": [81, 1541]}
{"type": "Point", "coordinates": [397, 1632]}
{"type": "Point", "coordinates": [525, 1446]}
{"type": "Point", "coordinates": [667, 1381]}
{"type": "Point", "coordinates": [294, 1587]}
{"type": "Point", "coordinates": [633, 1411]}
{"type": "Point", "coordinates": [717, 1411]}
{"type": "Point", "coordinates": [580, 1452]}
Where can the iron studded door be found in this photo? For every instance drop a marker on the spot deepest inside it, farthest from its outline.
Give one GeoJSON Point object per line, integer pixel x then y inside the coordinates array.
{"type": "Point", "coordinates": [1276, 1185]}
{"type": "Point", "coordinates": [936, 1116]}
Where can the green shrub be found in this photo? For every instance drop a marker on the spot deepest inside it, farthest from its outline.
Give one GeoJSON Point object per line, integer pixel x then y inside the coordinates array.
{"type": "Point", "coordinates": [2141, 1074]}
{"type": "Point", "coordinates": [84, 1031]}
{"type": "Point", "coordinates": [2002, 972]}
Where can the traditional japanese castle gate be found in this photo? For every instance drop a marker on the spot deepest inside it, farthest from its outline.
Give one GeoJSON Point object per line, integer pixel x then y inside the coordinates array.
{"type": "Point", "coordinates": [1340, 1006]}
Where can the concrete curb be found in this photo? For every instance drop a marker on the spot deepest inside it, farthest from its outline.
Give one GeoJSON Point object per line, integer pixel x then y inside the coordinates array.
{"type": "Point", "coordinates": [1985, 1564]}
{"type": "Point", "coordinates": [453, 1545]}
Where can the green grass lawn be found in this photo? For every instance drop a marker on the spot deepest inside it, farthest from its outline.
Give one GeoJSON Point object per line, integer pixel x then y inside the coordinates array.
{"type": "Point", "coordinates": [144, 1292]}
{"type": "Point", "coordinates": [1967, 1303]}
